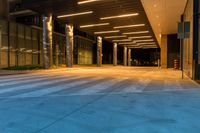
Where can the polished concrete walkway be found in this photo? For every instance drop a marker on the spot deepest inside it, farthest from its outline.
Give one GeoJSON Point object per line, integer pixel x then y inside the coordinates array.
{"type": "Point", "coordinates": [99, 100]}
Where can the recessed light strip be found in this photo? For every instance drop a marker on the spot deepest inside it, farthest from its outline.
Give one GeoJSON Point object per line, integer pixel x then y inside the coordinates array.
{"type": "Point", "coordinates": [129, 26]}
{"type": "Point", "coordinates": [146, 43]}
{"type": "Point", "coordinates": [105, 32]}
{"type": "Point", "coordinates": [86, 1]}
{"type": "Point", "coordinates": [139, 32]}
{"type": "Point", "coordinates": [149, 40]}
{"type": "Point", "coordinates": [75, 14]}
{"type": "Point", "coordinates": [94, 25]}
{"type": "Point", "coordinates": [123, 40]}
{"type": "Point", "coordinates": [139, 37]}
{"type": "Point", "coordinates": [120, 16]}
{"type": "Point", "coordinates": [126, 43]}
{"type": "Point", "coordinates": [111, 37]}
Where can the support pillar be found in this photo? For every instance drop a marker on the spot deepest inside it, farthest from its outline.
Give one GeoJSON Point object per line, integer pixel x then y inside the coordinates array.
{"type": "Point", "coordinates": [99, 51]}
{"type": "Point", "coordinates": [125, 56]}
{"type": "Point", "coordinates": [129, 57]}
{"type": "Point", "coordinates": [47, 41]}
{"type": "Point", "coordinates": [69, 29]}
{"type": "Point", "coordinates": [57, 53]}
{"type": "Point", "coordinates": [164, 51]}
{"type": "Point", "coordinates": [115, 54]}
{"type": "Point", "coordinates": [0, 47]}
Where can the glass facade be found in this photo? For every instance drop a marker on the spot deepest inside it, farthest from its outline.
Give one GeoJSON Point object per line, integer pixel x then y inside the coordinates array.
{"type": "Point", "coordinates": [83, 51]}
{"type": "Point", "coordinates": [22, 45]}
{"type": "Point", "coordinates": [19, 45]}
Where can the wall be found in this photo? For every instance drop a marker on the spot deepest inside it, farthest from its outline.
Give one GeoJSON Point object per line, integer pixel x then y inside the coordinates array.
{"type": "Point", "coordinates": [107, 51]}
{"type": "Point", "coordinates": [188, 43]}
{"type": "Point", "coordinates": [164, 51]}
{"type": "Point", "coordinates": [173, 50]}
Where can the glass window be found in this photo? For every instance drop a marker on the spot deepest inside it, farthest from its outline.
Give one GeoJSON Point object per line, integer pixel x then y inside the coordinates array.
{"type": "Point", "coordinates": [21, 45]}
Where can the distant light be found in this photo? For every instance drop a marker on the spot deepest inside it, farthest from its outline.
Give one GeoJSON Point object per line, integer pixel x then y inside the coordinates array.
{"type": "Point", "coordinates": [129, 26]}
{"type": "Point", "coordinates": [105, 32]}
{"type": "Point", "coordinates": [75, 14]}
{"type": "Point", "coordinates": [120, 16]}
{"type": "Point", "coordinates": [94, 25]}
{"type": "Point", "coordinates": [87, 1]}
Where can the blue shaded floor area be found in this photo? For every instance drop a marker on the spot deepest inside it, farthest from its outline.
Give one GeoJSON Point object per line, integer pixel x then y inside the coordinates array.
{"type": "Point", "coordinates": [149, 112]}
{"type": "Point", "coordinates": [125, 106]}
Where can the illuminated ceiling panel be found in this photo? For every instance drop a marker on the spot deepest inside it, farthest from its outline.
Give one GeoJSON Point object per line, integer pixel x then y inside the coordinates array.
{"type": "Point", "coordinates": [119, 16]}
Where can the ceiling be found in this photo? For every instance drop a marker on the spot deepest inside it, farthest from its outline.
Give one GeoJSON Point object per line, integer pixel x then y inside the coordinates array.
{"type": "Point", "coordinates": [101, 8]}
{"type": "Point", "coordinates": [164, 15]}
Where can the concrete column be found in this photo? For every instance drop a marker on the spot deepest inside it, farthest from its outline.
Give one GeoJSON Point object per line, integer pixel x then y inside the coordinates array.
{"type": "Point", "coordinates": [125, 56]}
{"type": "Point", "coordinates": [115, 54]}
{"type": "Point", "coordinates": [164, 51]}
{"type": "Point", "coordinates": [47, 41]}
{"type": "Point", "coordinates": [69, 29]}
{"type": "Point", "coordinates": [129, 57]}
{"type": "Point", "coordinates": [57, 53]}
{"type": "Point", "coordinates": [4, 9]}
{"type": "Point", "coordinates": [99, 51]}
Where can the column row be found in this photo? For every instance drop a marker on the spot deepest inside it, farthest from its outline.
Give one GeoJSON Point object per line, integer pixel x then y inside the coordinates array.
{"type": "Point", "coordinates": [69, 33]}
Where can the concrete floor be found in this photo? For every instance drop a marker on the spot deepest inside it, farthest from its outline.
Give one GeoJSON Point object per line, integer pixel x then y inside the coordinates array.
{"type": "Point", "coordinates": [99, 100]}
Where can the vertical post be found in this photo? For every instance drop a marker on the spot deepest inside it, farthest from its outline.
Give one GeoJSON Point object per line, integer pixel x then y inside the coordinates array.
{"type": "Point", "coordinates": [0, 46]}
{"type": "Point", "coordinates": [47, 41]}
{"type": "Point", "coordinates": [125, 56]}
{"type": "Point", "coordinates": [57, 53]}
{"type": "Point", "coordinates": [181, 57]}
{"type": "Point", "coordinates": [69, 30]}
{"type": "Point", "coordinates": [129, 57]}
{"type": "Point", "coordinates": [115, 54]}
{"type": "Point", "coordinates": [99, 51]}
{"type": "Point", "coordinates": [181, 51]}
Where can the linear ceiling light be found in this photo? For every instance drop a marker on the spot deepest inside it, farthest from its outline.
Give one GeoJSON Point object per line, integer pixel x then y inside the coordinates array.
{"type": "Point", "coordinates": [87, 1]}
{"type": "Point", "coordinates": [111, 37]}
{"type": "Point", "coordinates": [147, 43]}
{"type": "Point", "coordinates": [120, 16]}
{"type": "Point", "coordinates": [106, 32]}
{"type": "Point", "coordinates": [126, 43]}
{"type": "Point", "coordinates": [94, 25]}
{"type": "Point", "coordinates": [123, 40]}
{"type": "Point", "coordinates": [129, 26]}
{"type": "Point", "coordinates": [149, 40]}
{"type": "Point", "coordinates": [139, 37]}
{"type": "Point", "coordinates": [75, 14]}
{"type": "Point", "coordinates": [139, 32]}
